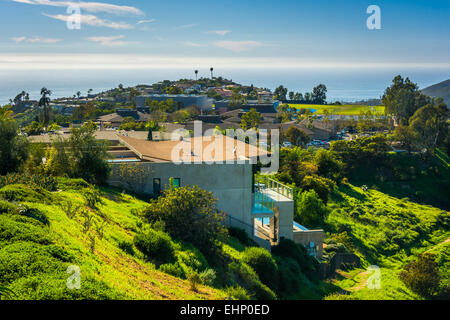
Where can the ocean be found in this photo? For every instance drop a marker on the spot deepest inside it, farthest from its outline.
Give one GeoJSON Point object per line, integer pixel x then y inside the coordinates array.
{"type": "Point", "coordinates": [342, 84]}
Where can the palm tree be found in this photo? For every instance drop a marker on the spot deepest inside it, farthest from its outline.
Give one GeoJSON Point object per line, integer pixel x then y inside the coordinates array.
{"type": "Point", "coordinates": [211, 69]}
{"type": "Point", "coordinates": [78, 95]}
{"type": "Point", "coordinates": [44, 102]}
{"type": "Point", "coordinates": [196, 75]}
{"type": "Point", "coordinates": [90, 91]}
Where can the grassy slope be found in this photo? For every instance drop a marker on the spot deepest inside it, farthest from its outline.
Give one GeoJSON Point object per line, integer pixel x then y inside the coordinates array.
{"type": "Point", "coordinates": [387, 232]}
{"type": "Point", "coordinates": [137, 278]}
{"type": "Point", "coordinates": [340, 110]}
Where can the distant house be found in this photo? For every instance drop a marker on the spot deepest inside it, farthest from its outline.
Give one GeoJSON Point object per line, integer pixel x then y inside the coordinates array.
{"type": "Point", "coordinates": [199, 101]}
{"type": "Point", "coordinates": [115, 119]}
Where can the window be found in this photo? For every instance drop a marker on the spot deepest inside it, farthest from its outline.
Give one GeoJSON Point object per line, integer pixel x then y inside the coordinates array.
{"type": "Point", "coordinates": [176, 183]}
{"type": "Point", "coordinates": [157, 186]}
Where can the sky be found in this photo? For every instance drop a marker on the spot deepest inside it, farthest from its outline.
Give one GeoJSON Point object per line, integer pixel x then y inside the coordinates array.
{"type": "Point", "coordinates": [243, 34]}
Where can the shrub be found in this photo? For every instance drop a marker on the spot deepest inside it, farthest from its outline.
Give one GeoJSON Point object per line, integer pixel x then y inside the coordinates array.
{"type": "Point", "coordinates": [23, 193]}
{"type": "Point", "coordinates": [20, 228]}
{"type": "Point", "coordinates": [321, 186]}
{"type": "Point", "coordinates": [7, 207]}
{"type": "Point", "coordinates": [311, 211]}
{"type": "Point", "coordinates": [247, 278]}
{"type": "Point", "coordinates": [127, 247]}
{"type": "Point", "coordinates": [72, 184]}
{"type": "Point", "coordinates": [190, 215]}
{"type": "Point", "coordinates": [237, 293]}
{"type": "Point", "coordinates": [194, 280]}
{"type": "Point", "coordinates": [208, 277]}
{"type": "Point", "coordinates": [289, 249]}
{"type": "Point", "coordinates": [264, 265]}
{"type": "Point", "coordinates": [155, 245]}
{"type": "Point", "coordinates": [173, 269]}
{"type": "Point", "coordinates": [422, 276]}
{"type": "Point", "coordinates": [92, 198]}
{"type": "Point", "coordinates": [53, 287]}
{"type": "Point", "coordinates": [289, 277]}
{"type": "Point", "coordinates": [23, 259]}
{"type": "Point", "coordinates": [241, 235]}
{"type": "Point", "coordinates": [33, 214]}
{"type": "Point", "coordinates": [43, 181]}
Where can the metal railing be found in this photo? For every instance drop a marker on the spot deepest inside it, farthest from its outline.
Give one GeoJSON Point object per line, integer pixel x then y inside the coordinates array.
{"type": "Point", "coordinates": [278, 187]}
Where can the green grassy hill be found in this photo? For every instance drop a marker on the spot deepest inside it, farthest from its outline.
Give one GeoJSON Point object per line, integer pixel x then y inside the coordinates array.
{"type": "Point", "coordinates": [387, 232]}
{"type": "Point", "coordinates": [34, 256]}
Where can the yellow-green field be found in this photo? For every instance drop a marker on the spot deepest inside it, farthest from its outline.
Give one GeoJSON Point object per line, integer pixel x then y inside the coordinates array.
{"type": "Point", "coordinates": [343, 110]}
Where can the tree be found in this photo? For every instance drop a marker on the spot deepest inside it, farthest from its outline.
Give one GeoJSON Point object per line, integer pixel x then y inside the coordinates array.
{"type": "Point", "coordinates": [13, 148]}
{"type": "Point", "coordinates": [196, 75]}
{"type": "Point", "coordinates": [88, 156]}
{"type": "Point", "coordinates": [189, 214]}
{"type": "Point", "coordinates": [280, 93]}
{"type": "Point", "coordinates": [311, 211]}
{"type": "Point", "coordinates": [250, 119]}
{"type": "Point", "coordinates": [134, 176]}
{"type": "Point", "coordinates": [402, 99]}
{"type": "Point", "coordinates": [211, 69]}
{"type": "Point", "coordinates": [297, 136]}
{"type": "Point", "coordinates": [430, 124]}
{"type": "Point", "coordinates": [320, 94]}
{"type": "Point", "coordinates": [291, 95]}
{"type": "Point", "coordinates": [406, 136]}
{"type": "Point", "coordinates": [328, 165]}
{"type": "Point", "coordinates": [237, 99]}
{"type": "Point", "coordinates": [44, 103]}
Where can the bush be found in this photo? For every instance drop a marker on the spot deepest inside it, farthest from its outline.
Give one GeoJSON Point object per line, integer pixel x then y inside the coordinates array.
{"type": "Point", "coordinates": [311, 211]}
{"type": "Point", "coordinates": [53, 287]}
{"type": "Point", "coordinates": [194, 280]}
{"type": "Point", "coordinates": [289, 277]}
{"type": "Point", "coordinates": [289, 249]}
{"type": "Point", "coordinates": [23, 259]}
{"type": "Point", "coordinates": [92, 198]}
{"type": "Point", "coordinates": [264, 265]}
{"type": "Point", "coordinates": [155, 245]}
{"type": "Point", "coordinates": [43, 181]}
{"type": "Point", "coordinates": [6, 207]}
{"type": "Point", "coordinates": [127, 247]}
{"type": "Point", "coordinates": [173, 269]}
{"type": "Point", "coordinates": [422, 276]}
{"type": "Point", "coordinates": [208, 277]}
{"type": "Point", "coordinates": [247, 278]}
{"type": "Point", "coordinates": [33, 214]}
{"type": "Point", "coordinates": [23, 193]}
{"type": "Point", "coordinates": [190, 215]}
{"type": "Point", "coordinates": [321, 186]}
{"type": "Point", "coordinates": [20, 228]}
{"type": "Point", "coordinates": [241, 235]}
{"type": "Point", "coordinates": [237, 293]}
{"type": "Point", "coordinates": [72, 184]}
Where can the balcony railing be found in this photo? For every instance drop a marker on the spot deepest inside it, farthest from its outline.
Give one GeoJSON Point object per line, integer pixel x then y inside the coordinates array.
{"type": "Point", "coordinates": [277, 187]}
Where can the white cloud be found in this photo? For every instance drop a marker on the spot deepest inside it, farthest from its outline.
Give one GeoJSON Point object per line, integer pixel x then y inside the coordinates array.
{"type": "Point", "coordinates": [88, 6]}
{"type": "Point", "coordinates": [36, 40]}
{"type": "Point", "coordinates": [220, 32]}
{"type": "Point", "coordinates": [237, 46]}
{"type": "Point", "coordinates": [191, 44]}
{"type": "Point", "coordinates": [91, 20]}
{"type": "Point", "coordinates": [146, 21]}
{"type": "Point", "coordinates": [186, 26]}
{"type": "Point", "coordinates": [110, 41]}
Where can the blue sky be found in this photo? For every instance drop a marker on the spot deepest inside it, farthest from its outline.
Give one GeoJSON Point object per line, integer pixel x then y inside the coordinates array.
{"type": "Point", "coordinates": [247, 33]}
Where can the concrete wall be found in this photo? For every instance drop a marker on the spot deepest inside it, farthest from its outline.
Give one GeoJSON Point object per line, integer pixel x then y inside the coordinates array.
{"type": "Point", "coordinates": [230, 183]}
{"type": "Point", "coordinates": [305, 237]}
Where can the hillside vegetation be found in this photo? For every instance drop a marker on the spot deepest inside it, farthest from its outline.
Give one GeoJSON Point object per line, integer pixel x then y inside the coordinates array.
{"type": "Point", "coordinates": [387, 232]}
{"type": "Point", "coordinates": [41, 236]}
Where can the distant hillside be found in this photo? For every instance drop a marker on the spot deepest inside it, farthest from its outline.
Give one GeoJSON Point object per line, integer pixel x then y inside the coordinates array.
{"type": "Point", "coordinates": [441, 89]}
